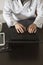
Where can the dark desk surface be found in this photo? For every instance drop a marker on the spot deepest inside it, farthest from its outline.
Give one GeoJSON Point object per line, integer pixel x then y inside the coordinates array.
{"type": "Point", "coordinates": [9, 58]}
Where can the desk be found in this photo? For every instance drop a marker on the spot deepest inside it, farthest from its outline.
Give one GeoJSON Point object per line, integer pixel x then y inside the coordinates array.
{"type": "Point", "coordinates": [7, 59]}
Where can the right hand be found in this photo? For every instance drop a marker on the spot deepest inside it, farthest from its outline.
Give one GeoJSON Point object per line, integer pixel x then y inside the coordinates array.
{"type": "Point", "coordinates": [20, 28]}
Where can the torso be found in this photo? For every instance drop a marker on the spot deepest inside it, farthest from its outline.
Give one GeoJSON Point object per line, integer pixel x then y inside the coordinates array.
{"type": "Point", "coordinates": [19, 12]}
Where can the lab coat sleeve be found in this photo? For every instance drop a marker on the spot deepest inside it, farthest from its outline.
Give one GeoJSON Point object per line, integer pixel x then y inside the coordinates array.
{"type": "Point", "coordinates": [7, 14]}
{"type": "Point", "coordinates": [39, 19]}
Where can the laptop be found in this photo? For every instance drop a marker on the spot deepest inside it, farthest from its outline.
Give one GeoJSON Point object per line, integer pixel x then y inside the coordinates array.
{"type": "Point", "coordinates": [2, 39]}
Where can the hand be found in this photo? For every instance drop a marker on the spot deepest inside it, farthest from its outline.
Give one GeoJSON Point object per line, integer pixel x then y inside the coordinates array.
{"type": "Point", "coordinates": [32, 28]}
{"type": "Point", "coordinates": [20, 28]}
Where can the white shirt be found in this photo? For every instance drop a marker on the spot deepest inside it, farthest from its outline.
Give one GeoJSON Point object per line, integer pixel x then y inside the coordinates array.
{"type": "Point", "coordinates": [14, 11]}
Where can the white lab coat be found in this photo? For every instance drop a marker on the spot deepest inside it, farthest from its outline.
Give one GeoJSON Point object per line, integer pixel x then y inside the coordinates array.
{"type": "Point", "coordinates": [14, 11]}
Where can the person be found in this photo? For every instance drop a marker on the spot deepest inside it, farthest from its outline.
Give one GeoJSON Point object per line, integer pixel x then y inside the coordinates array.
{"type": "Point", "coordinates": [23, 16]}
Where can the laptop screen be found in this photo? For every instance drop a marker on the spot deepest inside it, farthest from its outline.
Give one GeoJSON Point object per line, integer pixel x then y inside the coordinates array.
{"type": "Point", "coordinates": [2, 39]}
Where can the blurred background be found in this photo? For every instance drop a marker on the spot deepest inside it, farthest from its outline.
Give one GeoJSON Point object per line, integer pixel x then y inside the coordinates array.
{"type": "Point", "coordinates": [1, 4]}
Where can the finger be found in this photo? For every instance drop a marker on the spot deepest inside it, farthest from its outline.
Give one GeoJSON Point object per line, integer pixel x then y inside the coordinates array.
{"type": "Point", "coordinates": [23, 27]}
{"type": "Point", "coordinates": [29, 30]}
{"type": "Point", "coordinates": [21, 30]}
{"type": "Point", "coordinates": [32, 30]}
{"type": "Point", "coordinates": [17, 31]}
{"type": "Point", "coordinates": [35, 31]}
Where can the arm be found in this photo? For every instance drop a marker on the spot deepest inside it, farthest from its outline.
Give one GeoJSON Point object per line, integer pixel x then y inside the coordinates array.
{"type": "Point", "coordinates": [8, 15]}
{"type": "Point", "coordinates": [39, 19]}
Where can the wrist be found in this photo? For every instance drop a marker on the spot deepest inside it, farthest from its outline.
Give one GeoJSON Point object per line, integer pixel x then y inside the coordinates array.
{"type": "Point", "coordinates": [14, 24]}
{"type": "Point", "coordinates": [34, 24]}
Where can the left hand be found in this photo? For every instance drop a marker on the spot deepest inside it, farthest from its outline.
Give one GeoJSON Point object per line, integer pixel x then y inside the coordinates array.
{"type": "Point", "coordinates": [32, 28]}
